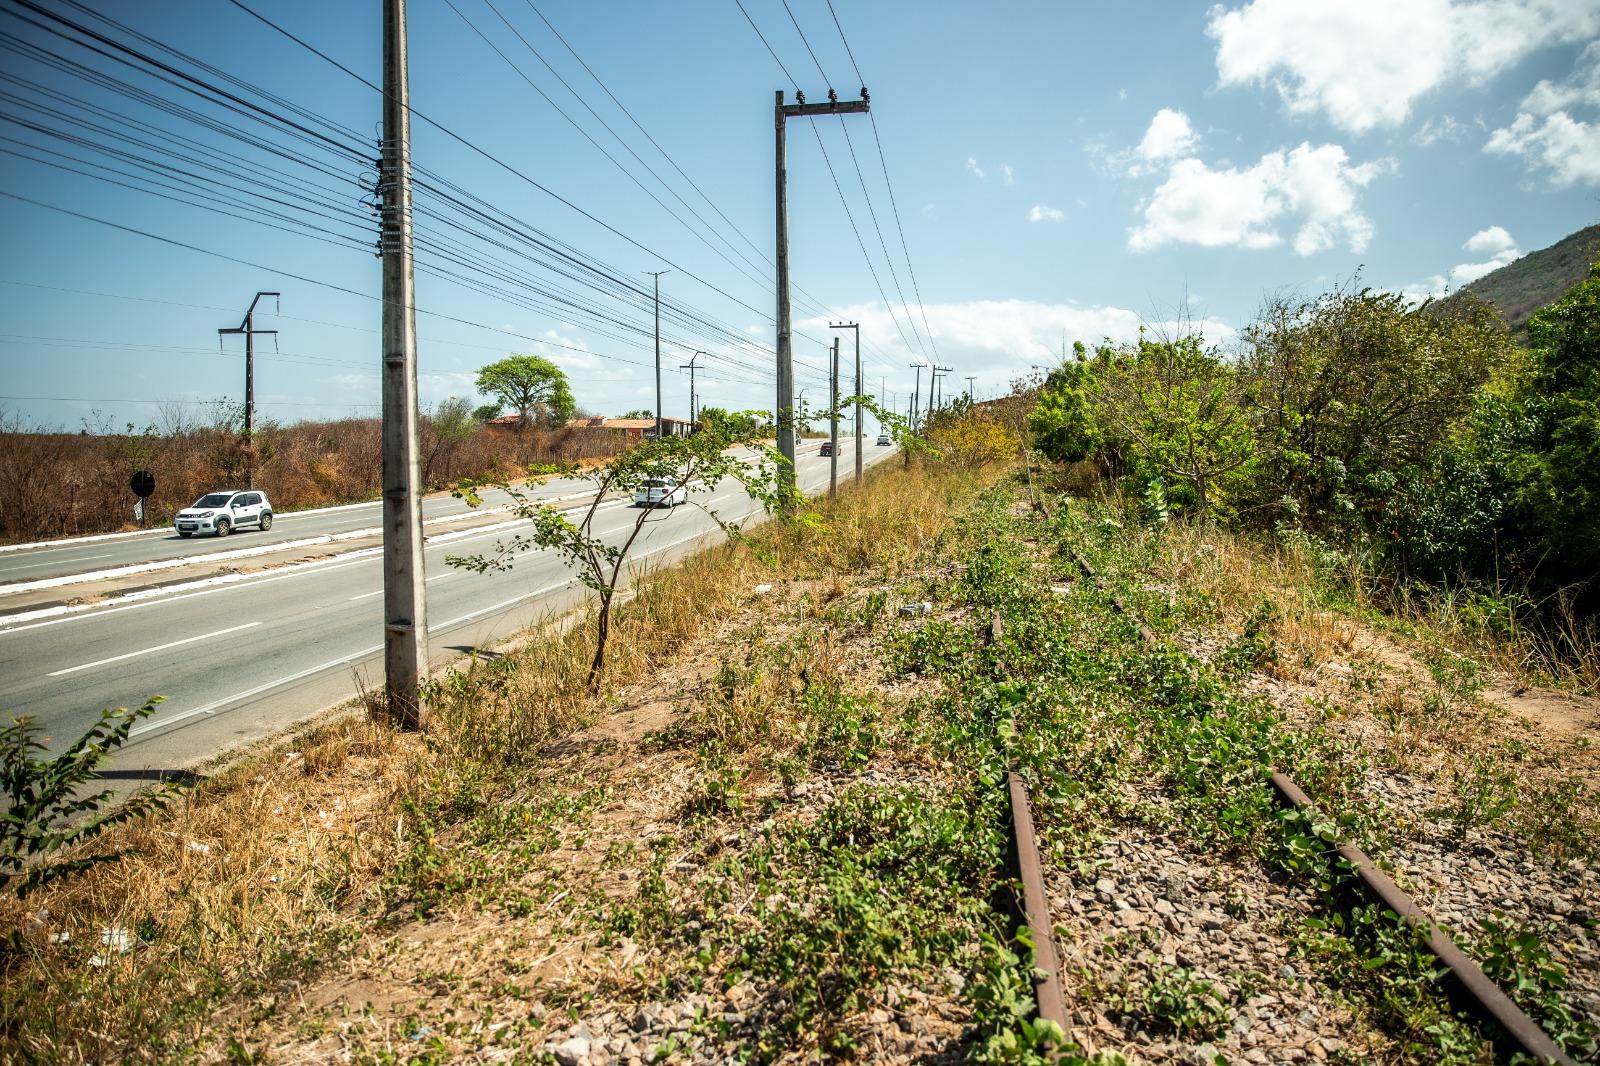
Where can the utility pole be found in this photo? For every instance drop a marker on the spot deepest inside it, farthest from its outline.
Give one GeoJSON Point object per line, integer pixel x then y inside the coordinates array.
{"type": "Point", "coordinates": [856, 327]}
{"type": "Point", "coordinates": [405, 622]}
{"type": "Point", "coordinates": [783, 414]}
{"type": "Point", "coordinates": [969, 386]}
{"type": "Point", "coordinates": [689, 366]}
{"type": "Point", "coordinates": [833, 425]}
{"type": "Point", "coordinates": [248, 328]}
{"type": "Point", "coordinates": [657, 275]}
{"type": "Point", "coordinates": [936, 389]}
{"type": "Point", "coordinates": [916, 393]}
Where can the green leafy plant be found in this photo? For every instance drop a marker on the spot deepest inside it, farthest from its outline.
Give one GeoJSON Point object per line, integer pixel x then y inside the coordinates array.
{"type": "Point", "coordinates": [1517, 958]}
{"type": "Point", "coordinates": [47, 812]}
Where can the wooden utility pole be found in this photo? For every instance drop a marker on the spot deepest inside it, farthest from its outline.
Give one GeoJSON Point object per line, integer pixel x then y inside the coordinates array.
{"type": "Point", "coordinates": [248, 328]}
{"type": "Point", "coordinates": [855, 326]}
{"type": "Point", "coordinates": [783, 414]}
{"type": "Point", "coordinates": [657, 275]}
{"type": "Point", "coordinates": [689, 366]}
{"type": "Point", "coordinates": [833, 424]}
{"type": "Point", "coordinates": [916, 394]}
{"type": "Point", "coordinates": [405, 625]}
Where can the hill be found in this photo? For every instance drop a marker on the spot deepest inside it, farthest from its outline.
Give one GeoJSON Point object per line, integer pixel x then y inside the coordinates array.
{"type": "Point", "coordinates": [1519, 289]}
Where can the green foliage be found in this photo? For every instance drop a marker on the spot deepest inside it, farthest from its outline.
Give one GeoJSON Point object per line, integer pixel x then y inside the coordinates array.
{"type": "Point", "coordinates": [531, 384]}
{"type": "Point", "coordinates": [698, 463]}
{"type": "Point", "coordinates": [1517, 959]}
{"type": "Point", "coordinates": [1063, 424]}
{"type": "Point", "coordinates": [485, 412]}
{"type": "Point", "coordinates": [46, 810]}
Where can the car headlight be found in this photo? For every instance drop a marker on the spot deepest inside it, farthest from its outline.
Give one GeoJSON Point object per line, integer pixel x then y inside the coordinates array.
{"type": "Point", "coordinates": [205, 514]}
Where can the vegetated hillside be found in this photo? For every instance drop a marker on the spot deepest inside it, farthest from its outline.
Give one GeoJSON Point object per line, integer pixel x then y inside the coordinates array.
{"type": "Point", "coordinates": [1519, 289]}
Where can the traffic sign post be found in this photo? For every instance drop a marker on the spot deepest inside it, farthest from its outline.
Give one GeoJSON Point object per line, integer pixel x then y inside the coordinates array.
{"type": "Point", "coordinates": [143, 483]}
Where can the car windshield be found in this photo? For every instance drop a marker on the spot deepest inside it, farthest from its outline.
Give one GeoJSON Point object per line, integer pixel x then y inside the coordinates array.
{"type": "Point", "coordinates": [655, 483]}
{"type": "Point", "coordinates": [214, 499]}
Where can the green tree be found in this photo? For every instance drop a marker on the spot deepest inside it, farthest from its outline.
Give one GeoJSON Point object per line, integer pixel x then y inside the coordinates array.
{"type": "Point", "coordinates": [451, 425]}
{"type": "Point", "coordinates": [1063, 424]}
{"type": "Point", "coordinates": [640, 412]}
{"type": "Point", "coordinates": [698, 463]}
{"type": "Point", "coordinates": [530, 384]}
{"type": "Point", "coordinates": [1178, 406]}
{"type": "Point", "coordinates": [1562, 473]}
{"type": "Point", "coordinates": [485, 412]}
{"type": "Point", "coordinates": [1355, 388]}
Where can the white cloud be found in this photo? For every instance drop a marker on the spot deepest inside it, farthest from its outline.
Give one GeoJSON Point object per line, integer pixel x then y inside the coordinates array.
{"type": "Point", "coordinates": [998, 341]}
{"type": "Point", "coordinates": [975, 170]}
{"type": "Point", "coordinates": [1547, 134]}
{"type": "Point", "coordinates": [1007, 174]}
{"type": "Point", "coordinates": [1364, 63]}
{"type": "Point", "coordinates": [1493, 241]}
{"type": "Point", "coordinates": [1439, 128]}
{"type": "Point", "coordinates": [1244, 206]}
{"type": "Point", "coordinates": [1168, 137]}
{"type": "Point", "coordinates": [1041, 213]}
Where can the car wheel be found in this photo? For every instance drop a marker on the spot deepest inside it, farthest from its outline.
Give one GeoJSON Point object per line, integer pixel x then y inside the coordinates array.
{"type": "Point", "coordinates": [266, 521]}
{"type": "Point", "coordinates": [224, 527]}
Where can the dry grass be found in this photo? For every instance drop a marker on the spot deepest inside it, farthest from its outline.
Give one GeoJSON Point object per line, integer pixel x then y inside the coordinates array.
{"type": "Point", "coordinates": [273, 867]}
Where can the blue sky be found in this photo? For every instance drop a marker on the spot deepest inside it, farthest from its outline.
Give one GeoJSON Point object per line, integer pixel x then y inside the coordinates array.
{"type": "Point", "coordinates": [1061, 172]}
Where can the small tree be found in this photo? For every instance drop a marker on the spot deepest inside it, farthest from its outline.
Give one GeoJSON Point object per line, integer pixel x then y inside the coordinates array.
{"type": "Point", "coordinates": [529, 383]}
{"type": "Point", "coordinates": [697, 463]}
{"type": "Point", "coordinates": [451, 425]}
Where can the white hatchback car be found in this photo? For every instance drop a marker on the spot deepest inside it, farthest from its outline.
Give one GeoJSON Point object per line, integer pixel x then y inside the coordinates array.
{"type": "Point", "coordinates": [659, 492]}
{"type": "Point", "coordinates": [223, 512]}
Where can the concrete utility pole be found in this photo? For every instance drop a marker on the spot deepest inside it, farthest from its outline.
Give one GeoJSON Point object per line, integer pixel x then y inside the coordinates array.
{"type": "Point", "coordinates": [783, 413]}
{"type": "Point", "coordinates": [916, 393]}
{"type": "Point", "coordinates": [969, 386]}
{"type": "Point", "coordinates": [689, 366]}
{"type": "Point", "coordinates": [935, 389]}
{"type": "Point", "coordinates": [856, 327]}
{"type": "Point", "coordinates": [657, 275]}
{"type": "Point", "coordinates": [248, 328]}
{"type": "Point", "coordinates": [405, 622]}
{"type": "Point", "coordinates": [833, 425]}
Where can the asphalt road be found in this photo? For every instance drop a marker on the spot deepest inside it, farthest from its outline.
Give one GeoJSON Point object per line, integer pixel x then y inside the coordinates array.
{"type": "Point", "coordinates": [88, 555]}
{"type": "Point", "coordinates": [243, 660]}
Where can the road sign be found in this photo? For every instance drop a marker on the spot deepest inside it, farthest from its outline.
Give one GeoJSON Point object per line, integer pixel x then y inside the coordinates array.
{"type": "Point", "coordinates": [142, 483]}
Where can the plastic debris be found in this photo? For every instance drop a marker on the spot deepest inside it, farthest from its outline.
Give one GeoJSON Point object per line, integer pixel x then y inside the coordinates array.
{"type": "Point", "coordinates": [912, 610]}
{"type": "Point", "coordinates": [199, 848]}
{"type": "Point", "coordinates": [762, 589]}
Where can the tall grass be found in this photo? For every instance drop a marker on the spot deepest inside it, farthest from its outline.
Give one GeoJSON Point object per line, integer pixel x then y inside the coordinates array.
{"type": "Point", "coordinates": [269, 867]}
{"type": "Point", "coordinates": [55, 484]}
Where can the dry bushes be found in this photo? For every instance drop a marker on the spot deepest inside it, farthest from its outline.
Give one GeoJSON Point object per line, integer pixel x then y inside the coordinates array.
{"type": "Point", "coordinates": [56, 484]}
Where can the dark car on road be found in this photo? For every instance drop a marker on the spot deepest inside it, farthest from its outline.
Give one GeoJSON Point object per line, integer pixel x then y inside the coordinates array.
{"type": "Point", "coordinates": [827, 448]}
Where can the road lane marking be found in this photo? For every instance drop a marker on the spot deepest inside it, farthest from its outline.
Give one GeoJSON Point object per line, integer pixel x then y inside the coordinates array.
{"type": "Point", "coordinates": [379, 592]}
{"type": "Point", "coordinates": [247, 693]}
{"type": "Point", "coordinates": [148, 651]}
{"type": "Point", "coordinates": [47, 562]}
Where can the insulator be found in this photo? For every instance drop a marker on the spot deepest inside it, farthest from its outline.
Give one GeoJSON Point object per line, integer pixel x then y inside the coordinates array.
{"type": "Point", "coordinates": [833, 97]}
{"type": "Point", "coordinates": [799, 97]}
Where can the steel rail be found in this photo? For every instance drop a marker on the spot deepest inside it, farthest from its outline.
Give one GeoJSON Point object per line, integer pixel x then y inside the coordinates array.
{"type": "Point", "coordinates": [1473, 989]}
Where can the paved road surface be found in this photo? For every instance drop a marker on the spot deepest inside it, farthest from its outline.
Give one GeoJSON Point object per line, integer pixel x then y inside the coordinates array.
{"type": "Point", "coordinates": [241, 661]}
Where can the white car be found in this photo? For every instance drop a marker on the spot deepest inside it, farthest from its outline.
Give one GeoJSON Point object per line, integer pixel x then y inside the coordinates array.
{"type": "Point", "coordinates": [883, 440]}
{"type": "Point", "coordinates": [223, 512]}
{"type": "Point", "coordinates": [659, 492]}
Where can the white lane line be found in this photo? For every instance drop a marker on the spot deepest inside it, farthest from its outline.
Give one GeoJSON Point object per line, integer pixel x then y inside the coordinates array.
{"type": "Point", "coordinates": [148, 651]}
{"type": "Point", "coordinates": [379, 592]}
{"type": "Point", "coordinates": [79, 559]}
{"type": "Point", "coordinates": [208, 708]}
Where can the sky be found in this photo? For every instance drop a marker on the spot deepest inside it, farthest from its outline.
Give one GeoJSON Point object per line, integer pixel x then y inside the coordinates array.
{"type": "Point", "coordinates": [1059, 172]}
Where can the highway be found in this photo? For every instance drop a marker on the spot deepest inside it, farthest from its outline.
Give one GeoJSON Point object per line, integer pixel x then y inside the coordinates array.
{"type": "Point", "coordinates": [242, 660]}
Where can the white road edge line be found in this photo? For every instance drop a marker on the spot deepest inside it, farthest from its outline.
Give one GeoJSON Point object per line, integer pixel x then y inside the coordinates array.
{"type": "Point", "coordinates": [147, 651]}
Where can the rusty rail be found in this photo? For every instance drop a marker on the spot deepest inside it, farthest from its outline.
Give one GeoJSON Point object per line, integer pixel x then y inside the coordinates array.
{"type": "Point", "coordinates": [1475, 990]}
{"type": "Point", "coordinates": [1034, 905]}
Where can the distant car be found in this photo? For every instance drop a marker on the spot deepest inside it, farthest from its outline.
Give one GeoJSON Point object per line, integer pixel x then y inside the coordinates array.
{"type": "Point", "coordinates": [223, 512]}
{"type": "Point", "coordinates": [659, 492]}
{"type": "Point", "coordinates": [827, 448]}
{"type": "Point", "coordinates": [883, 440]}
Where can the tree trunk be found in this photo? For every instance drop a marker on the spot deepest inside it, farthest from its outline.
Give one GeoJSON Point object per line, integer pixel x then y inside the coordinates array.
{"type": "Point", "coordinates": [602, 630]}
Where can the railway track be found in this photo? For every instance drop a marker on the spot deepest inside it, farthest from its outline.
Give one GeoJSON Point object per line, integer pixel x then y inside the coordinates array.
{"type": "Point", "coordinates": [1517, 1036]}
